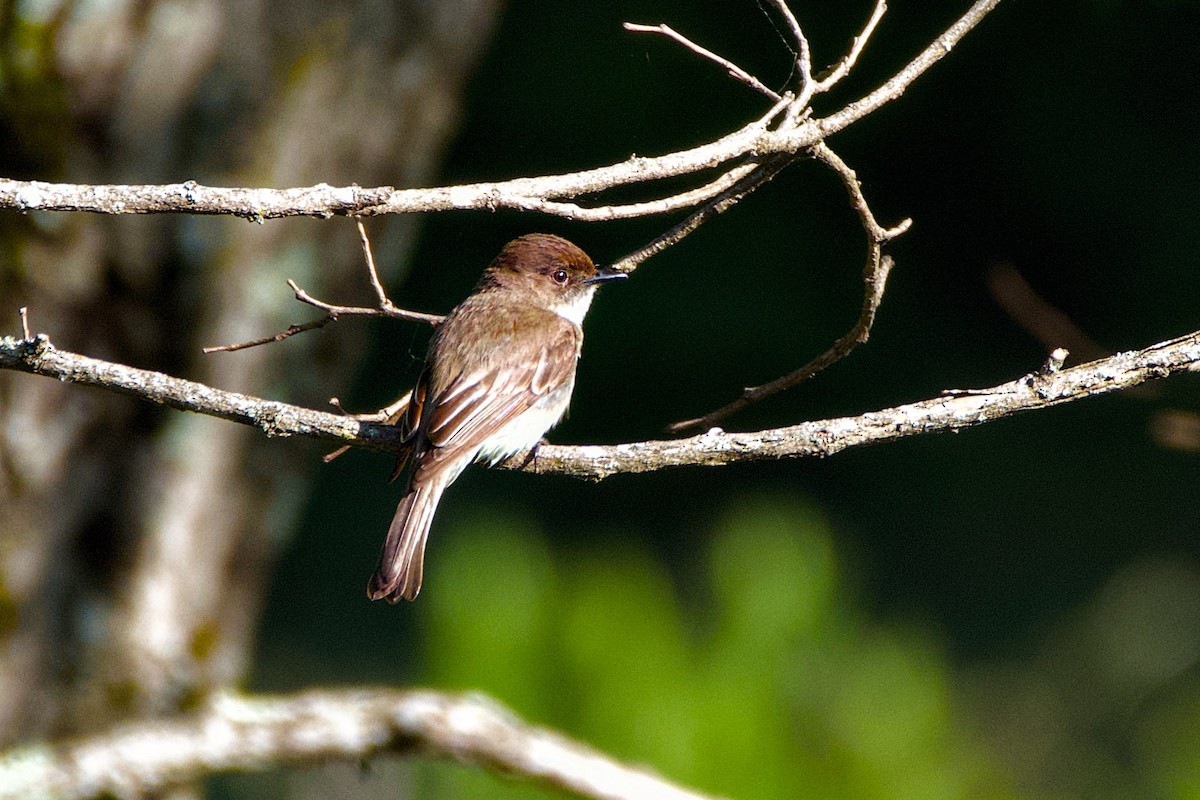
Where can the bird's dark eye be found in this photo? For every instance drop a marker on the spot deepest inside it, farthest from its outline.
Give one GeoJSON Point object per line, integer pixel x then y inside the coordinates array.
{"type": "Point", "coordinates": [559, 276]}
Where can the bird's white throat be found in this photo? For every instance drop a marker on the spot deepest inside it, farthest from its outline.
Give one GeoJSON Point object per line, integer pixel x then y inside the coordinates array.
{"type": "Point", "coordinates": [576, 306]}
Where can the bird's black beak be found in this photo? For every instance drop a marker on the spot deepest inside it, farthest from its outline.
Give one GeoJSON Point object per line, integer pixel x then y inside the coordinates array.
{"type": "Point", "coordinates": [606, 274]}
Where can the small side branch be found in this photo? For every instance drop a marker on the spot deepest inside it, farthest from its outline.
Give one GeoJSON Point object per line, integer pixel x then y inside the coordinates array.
{"type": "Point", "coordinates": [875, 279]}
{"type": "Point", "coordinates": [735, 72]}
{"type": "Point", "coordinates": [952, 411]}
{"type": "Point", "coordinates": [386, 307]}
{"type": "Point", "coordinates": [875, 276]}
{"type": "Point", "coordinates": [244, 734]}
{"type": "Point", "coordinates": [842, 68]}
{"type": "Point", "coordinates": [878, 234]}
{"type": "Point", "coordinates": [756, 177]}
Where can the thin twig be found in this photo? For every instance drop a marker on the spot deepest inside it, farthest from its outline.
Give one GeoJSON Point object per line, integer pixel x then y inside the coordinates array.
{"type": "Point", "coordinates": [386, 307]}
{"type": "Point", "coordinates": [805, 85]}
{"type": "Point", "coordinates": [291, 330]}
{"type": "Point", "coordinates": [895, 86]}
{"type": "Point", "coordinates": [23, 312]}
{"type": "Point", "coordinates": [724, 201]}
{"type": "Point", "coordinates": [874, 279]}
{"type": "Point", "coordinates": [877, 232]}
{"type": "Point", "coordinates": [369, 257]}
{"type": "Point", "coordinates": [388, 415]}
{"type": "Point", "coordinates": [875, 276]}
{"type": "Point", "coordinates": [388, 310]}
{"type": "Point", "coordinates": [664, 205]}
{"type": "Point", "coordinates": [803, 58]}
{"type": "Point", "coordinates": [595, 462]}
{"type": "Point", "coordinates": [841, 69]}
{"type": "Point", "coordinates": [734, 70]}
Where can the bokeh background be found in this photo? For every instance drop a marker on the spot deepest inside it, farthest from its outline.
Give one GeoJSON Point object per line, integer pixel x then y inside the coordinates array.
{"type": "Point", "coordinates": [1011, 611]}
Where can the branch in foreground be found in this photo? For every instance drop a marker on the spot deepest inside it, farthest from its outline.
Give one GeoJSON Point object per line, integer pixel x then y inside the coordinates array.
{"type": "Point", "coordinates": [952, 411]}
{"type": "Point", "coordinates": [248, 734]}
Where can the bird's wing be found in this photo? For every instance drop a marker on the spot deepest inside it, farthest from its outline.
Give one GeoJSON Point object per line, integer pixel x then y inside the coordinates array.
{"type": "Point", "coordinates": [479, 403]}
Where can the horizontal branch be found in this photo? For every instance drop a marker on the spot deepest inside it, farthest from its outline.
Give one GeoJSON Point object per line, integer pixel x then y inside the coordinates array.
{"type": "Point", "coordinates": [235, 733]}
{"type": "Point", "coordinates": [326, 201]}
{"type": "Point", "coordinates": [39, 357]}
{"type": "Point", "coordinates": [952, 411]}
{"type": "Point", "coordinates": [755, 140]}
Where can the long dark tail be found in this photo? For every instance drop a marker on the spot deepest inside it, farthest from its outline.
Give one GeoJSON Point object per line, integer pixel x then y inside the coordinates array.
{"type": "Point", "coordinates": [403, 557]}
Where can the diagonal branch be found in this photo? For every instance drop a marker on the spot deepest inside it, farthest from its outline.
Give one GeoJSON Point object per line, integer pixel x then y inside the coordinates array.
{"type": "Point", "coordinates": [875, 277]}
{"type": "Point", "coordinates": [842, 68]}
{"type": "Point", "coordinates": [894, 87]}
{"type": "Point", "coordinates": [244, 734]}
{"type": "Point", "coordinates": [760, 174]}
{"type": "Point", "coordinates": [735, 72]}
{"type": "Point", "coordinates": [949, 412]}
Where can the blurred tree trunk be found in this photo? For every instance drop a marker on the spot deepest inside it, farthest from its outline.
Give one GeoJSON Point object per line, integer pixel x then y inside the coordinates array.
{"type": "Point", "coordinates": [144, 611]}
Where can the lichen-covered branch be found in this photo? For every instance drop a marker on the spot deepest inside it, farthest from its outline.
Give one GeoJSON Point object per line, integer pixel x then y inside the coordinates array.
{"type": "Point", "coordinates": [950, 411]}
{"type": "Point", "coordinates": [755, 140]}
{"type": "Point", "coordinates": [239, 734]}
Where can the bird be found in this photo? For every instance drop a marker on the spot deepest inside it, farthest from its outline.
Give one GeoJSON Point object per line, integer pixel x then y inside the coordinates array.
{"type": "Point", "coordinates": [498, 374]}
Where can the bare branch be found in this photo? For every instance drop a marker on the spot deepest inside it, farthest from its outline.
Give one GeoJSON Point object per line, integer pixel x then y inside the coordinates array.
{"type": "Point", "coordinates": [878, 233]}
{"type": "Point", "coordinates": [290, 331]}
{"type": "Point", "coordinates": [734, 70]}
{"type": "Point", "coordinates": [897, 84]}
{"type": "Point", "coordinates": [595, 462]}
{"type": "Point", "coordinates": [631, 210]}
{"type": "Point", "coordinates": [803, 56]}
{"type": "Point", "coordinates": [874, 279]}
{"type": "Point", "coordinates": [242, 734]}
{"type": "Point", "coordinates": [755, 140]}
{"type": "Point", "coordinates": [386, 307]}
{"type": "Point", "coordinates": [875, 276]}
{"type": "Point", "coordinates": [757, 177]}
{"type": "Point", "coordinates": [369, 257]}
{"type": "Point", "coordinates": [842, 68]}
{"type": "Point", "coordinates": [38, 356]}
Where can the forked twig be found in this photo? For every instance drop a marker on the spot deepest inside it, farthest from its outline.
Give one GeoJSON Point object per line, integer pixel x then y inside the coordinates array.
{"type": "Point", "coordinates": [386, 307]}
{"type": "Point", "coordinates": [877, 232]}
{"type": "Point", "coordinates": [389, 415]}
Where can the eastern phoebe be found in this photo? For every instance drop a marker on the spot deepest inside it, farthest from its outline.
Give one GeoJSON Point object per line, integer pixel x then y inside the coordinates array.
{"type": "Point", "coordinates": [498, 374]}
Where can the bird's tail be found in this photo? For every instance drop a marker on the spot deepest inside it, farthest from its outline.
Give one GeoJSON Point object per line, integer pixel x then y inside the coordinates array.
{"type": "Point", "coordinates": [403, 556]}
